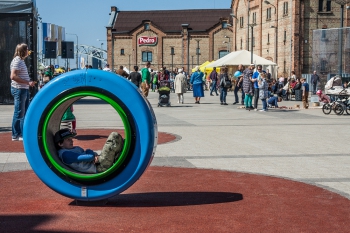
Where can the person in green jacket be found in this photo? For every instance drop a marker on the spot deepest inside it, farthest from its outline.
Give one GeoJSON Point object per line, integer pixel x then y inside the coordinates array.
{"type": "Point", "coordinates": [146, 79]}
{"type": "Point", "coordinates": [69, 116]}
{"type": "Point", "coordinates": [154, 81]}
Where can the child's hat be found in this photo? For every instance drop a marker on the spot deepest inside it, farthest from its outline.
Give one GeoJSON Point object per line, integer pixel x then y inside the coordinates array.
{"type": "Point", "coordinates": [63, 134]}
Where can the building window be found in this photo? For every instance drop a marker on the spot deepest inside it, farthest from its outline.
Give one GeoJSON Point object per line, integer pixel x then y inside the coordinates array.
{"type": "Point", "coordinates": [147, 56]}
{"type": "Point", "coordinates": [320, 5]}
{"type": "Point", "coordinates": [285, 37]}
{"type": "Point", "coordinates": [268, 38]}
{"type": "Point", "coordinates": [241, 43]}
{"type": "Point", "coordinates": [285, 8]}
{"type": "Point", "coordinates": [323, 7]}
{"type": "Point", "coordinates": [323, 66]}
{"type": "Point", "coordinates": [268, 13]}
{"type": "Point", "coordinates": [254, 17]}
{"type": "Point", "coordinates": [241, 22]}
{"type": "Point", "coordinates": [146, 26]}
{"type": "Point", "coordinates": [328, 6]}
{"type": "Point", "coordinates": [122, 52]}
{"type": "Point", "coordinates": [224, 24]}
{"type": "Point", "coordinates": [222, 53]}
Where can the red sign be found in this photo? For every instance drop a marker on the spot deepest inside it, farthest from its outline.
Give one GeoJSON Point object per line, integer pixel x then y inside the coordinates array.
{"type": "Point", "coordinates": [145, 40]}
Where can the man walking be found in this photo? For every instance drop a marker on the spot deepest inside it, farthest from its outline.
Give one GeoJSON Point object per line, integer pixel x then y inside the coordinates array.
{"type": "Point", "coordinates": [146, 79]}
{"type": "Point", "coordinates": [314, 80]}
{"type": "Point", "coordinates": [214, 79]}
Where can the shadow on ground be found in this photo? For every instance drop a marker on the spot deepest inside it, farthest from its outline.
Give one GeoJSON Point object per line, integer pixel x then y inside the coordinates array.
{"type": "Point", "coordinates": [167, 199]}
{"type": "Point", "coordinates": [28, 223]}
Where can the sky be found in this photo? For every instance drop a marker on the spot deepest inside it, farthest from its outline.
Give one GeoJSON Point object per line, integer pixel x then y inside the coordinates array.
{"type": "Point", "coordinates": [88, 18]}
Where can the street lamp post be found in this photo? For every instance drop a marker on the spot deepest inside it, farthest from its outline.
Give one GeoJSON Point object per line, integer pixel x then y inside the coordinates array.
{"type": "Point", "coordinates": [225, 42]}
{"type": "Point", "coordinates": [252, 41]}
{"type": "Point", "coordinates": [172, 53]}
{"type": "Point", "coordinates": [228, 44]}
{"type": "Point", "coordinates": [77, 48]}
{"type": "Point", "coordinates": [234, 28]}
{"type": "Point", "coordinates": [276, 29]}
{"type": "Point", "coordinates": [198, 51]}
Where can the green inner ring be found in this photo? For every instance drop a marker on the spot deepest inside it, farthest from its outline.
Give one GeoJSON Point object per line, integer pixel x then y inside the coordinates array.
{"type": "Point", "coordinates": [127, 137]}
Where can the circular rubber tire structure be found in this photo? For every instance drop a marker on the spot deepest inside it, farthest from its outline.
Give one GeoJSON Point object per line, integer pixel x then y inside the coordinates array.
{"type": "Point", "coordinates": [43, 119]}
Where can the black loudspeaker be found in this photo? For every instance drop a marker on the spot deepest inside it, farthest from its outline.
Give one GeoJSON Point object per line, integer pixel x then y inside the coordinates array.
{"type": "Point", "coordinates": [67, 49]}
{"type": "Point", "coordinates": [50, 49]}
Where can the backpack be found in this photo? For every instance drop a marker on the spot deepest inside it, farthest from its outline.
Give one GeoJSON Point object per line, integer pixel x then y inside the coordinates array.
{"type": "Point", "coordinates": [227, 82]}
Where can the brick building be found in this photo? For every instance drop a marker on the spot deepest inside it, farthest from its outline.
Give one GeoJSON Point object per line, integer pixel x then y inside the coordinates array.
{"type": "Point", "coordinates": [283, 29]}
{"type": "Point", "coordinates": [171, 38]}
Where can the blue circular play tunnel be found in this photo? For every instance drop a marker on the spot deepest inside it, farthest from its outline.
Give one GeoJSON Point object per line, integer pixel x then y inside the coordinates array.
{"type": "Point", "coordinates": [43, 119]}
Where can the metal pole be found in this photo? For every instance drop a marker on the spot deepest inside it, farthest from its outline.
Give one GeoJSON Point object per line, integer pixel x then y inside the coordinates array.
{"type": "Point", "coordinates": [251, 53]}
{"type": "Point", "coordinates": [172, 62]}
{"type": "Point", "coordinates": [248, 26]}
{"type": "Point", "coordinates": [340, 53]}
{"type": "Point", "coordinates": [276, 35]}
{"type": "Point", "coordinates": [77, 53]}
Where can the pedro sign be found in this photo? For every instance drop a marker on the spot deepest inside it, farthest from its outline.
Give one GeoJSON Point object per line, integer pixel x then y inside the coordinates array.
{"type": "Point", "coordinates": [145, 40]}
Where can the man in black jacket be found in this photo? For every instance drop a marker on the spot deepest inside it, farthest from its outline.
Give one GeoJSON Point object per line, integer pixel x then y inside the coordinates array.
{"type": "Point", "coordinates": [135, 77]}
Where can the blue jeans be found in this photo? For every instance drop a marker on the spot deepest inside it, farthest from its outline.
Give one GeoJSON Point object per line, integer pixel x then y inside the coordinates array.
{"type": "Point", "coordinates": [213, 87]}
{"type": "Point", "coordinates": [273, 101]}
{"type": "Point", "coordinates": [21, 103]}
{"type": "Point", "coordinates": [264, 104]}
{"type": "Point", "coordinates": [223, 94]}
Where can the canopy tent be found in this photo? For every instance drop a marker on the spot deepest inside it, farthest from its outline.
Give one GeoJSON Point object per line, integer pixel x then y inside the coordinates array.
{"type": "Point", "coordinates": [204, 67]}
{"type": "Point", "coordinates": [240, 57]}
{"type": "Point", "coordinates": [18, 6]}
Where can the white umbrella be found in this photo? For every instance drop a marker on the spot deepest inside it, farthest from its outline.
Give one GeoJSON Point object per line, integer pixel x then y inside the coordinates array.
{"type": "Point", "coordinates": [240, 57]}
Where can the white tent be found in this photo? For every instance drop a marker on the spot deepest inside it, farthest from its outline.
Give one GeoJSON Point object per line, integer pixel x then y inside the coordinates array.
{"type": "Point", "coordinates": [240, 57]}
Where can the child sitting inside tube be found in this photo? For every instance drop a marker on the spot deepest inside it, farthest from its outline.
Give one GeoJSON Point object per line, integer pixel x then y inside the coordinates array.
{"type": "Point", "coordinates": [87, 161]}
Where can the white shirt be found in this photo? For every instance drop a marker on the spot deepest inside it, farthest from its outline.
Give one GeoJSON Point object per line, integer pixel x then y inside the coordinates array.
{"type": "Point", "coordinates": [18, 64]}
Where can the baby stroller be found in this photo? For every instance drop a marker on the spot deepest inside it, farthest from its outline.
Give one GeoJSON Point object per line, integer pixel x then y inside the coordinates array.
{"type": "Point", "coordinates": [164, 93]}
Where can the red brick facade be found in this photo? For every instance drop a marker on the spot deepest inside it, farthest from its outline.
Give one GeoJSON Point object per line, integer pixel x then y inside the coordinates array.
{"type": "Point", "coordinates": [184, 36]}
{"type": "Point", "coordinates": [285, 35]}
